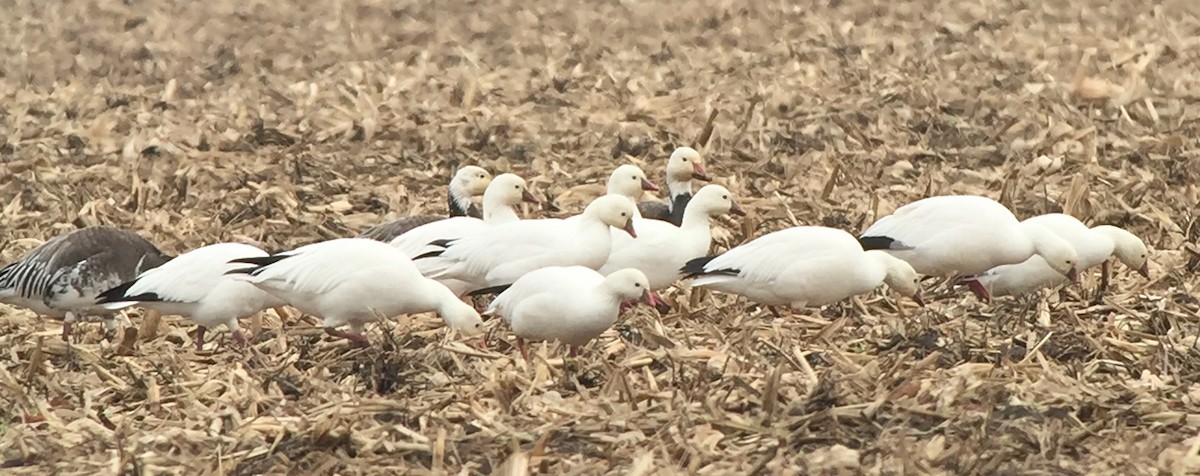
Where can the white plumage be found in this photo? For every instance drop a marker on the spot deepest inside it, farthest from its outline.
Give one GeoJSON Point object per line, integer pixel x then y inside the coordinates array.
{"type": "Point", "coordinates": [499, 255]}
{"type": "Point", "coordinates": [195, 285]}
{"type": "Point", "coordinates": [964, 235]}
{"type": "Point", "coordinates": [803, 266]}
{"type": "Point", "coordinates": [570, 304]}
{"type": "Point", "coordinates": [348, 281]}
{"type": "Point", "coordinates": [661, 249]}
{"type": "Point", "coordinates": [499, 201]}
{"type": "Point", "coordinates": [1094, 246]}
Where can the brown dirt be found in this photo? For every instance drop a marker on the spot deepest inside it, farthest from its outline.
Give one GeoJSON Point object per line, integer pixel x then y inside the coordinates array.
{"type": "Point", "coordinates": [198, 122]}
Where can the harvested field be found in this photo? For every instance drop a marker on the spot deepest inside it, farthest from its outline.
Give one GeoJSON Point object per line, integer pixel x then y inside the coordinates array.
{"type": "Point", "coordinates": [199, 122]}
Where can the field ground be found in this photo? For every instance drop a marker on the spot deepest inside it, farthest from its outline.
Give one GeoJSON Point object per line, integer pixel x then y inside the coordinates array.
{"type": "Point", "coordinates": [197, 122]}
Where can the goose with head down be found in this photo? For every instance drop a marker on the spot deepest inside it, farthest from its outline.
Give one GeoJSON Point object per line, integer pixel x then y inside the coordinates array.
{"type": "Point", "coordinates": [1094, 246]}
{"type": "Point", "coordinates": [803, 266]}
{"type": "Point", "coordinates": [62, 277]}
{"type": "Point", "coordinates": [964, 235]}
{"type": "Point", "coordinates": [350, 281]}
{"type": "Point", "coordinates": [195, 286]}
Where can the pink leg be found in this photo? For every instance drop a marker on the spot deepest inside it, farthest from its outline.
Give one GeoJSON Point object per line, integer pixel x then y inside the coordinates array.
{"type": "Point", "coordinates": [357, 339]}
{"type": "Point", "coordinates": [240, 338]}
{"type": "Point", "coordinates": [66, 334]}
{"type": "Point", "coordinates": [574, 352]}
{"type": "Point", "coordinates": [980, 290]}
{"type": "Point", "coordinates": [521, 347]}
{"type": "Point", "coordinates": [775, 310]}
{"type": "Point", "coordinates": [200, 337]}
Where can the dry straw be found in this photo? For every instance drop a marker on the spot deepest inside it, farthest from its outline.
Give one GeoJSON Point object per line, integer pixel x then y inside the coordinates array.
{"type": "Point", "coordinates": [198, 122]}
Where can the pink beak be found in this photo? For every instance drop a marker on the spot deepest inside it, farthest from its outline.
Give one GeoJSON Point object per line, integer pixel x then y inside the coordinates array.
{"type": "Point", "coordinates": [529, 198]}
{"type": "Point", "coordinates": [1145, 270]}
{"type": "Point", "coordinates": [736, 210]}
{"type": "Point", "coordinates": [629, 228]}
{"type": "Point", "coordinates": [698, 172]}
{"type": "Point", "coordinates": [649, 186]}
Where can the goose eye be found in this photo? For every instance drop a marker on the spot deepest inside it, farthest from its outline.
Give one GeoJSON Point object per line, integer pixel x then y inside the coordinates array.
{"type": "Point", "coordinates": [637, 285]}
{"type": "Point", "coordinates": [518, 187]}
{"type": "Point", "coordinates": [622, 213]}
{"type": "Point", "coordinates": [724, 197]}
{"type": "Point", "coordinates": [685, 159]}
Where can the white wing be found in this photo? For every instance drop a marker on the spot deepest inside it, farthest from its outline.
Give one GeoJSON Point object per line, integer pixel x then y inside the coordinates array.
{"type": "Point", "coordinates": [474, 257]}
{"type": "Point", "coordinates": [417, 240]}
{"type": "Point", "coordinates": [917, 222]}
{"type": "Point", "coordinates": [555, 279]}
{"type": "Point", "coordinates": [320, 267]}
{"type": "Point", "coordinates": [190, 276]}
{"type": "Point", "coordinates": [763, 259]}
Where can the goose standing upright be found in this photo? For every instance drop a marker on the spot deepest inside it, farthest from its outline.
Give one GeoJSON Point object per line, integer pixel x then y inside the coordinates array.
{"type": "Point", "coordinates": [803, 266]}
{"type": "Point", "coordinates": [505, 192]}
{"type": "Point", "coordinates": [347, 281]}
{"type": "Point", "coordinates": [469, 181]}
{"type": "Point", "coordinates": [195, 286]}
{"type": "Point", "coordinates": [570, 304]}
{"type": "Point", "coordinates": [684, 166]}
{"type": "Point", "coordinates": [62, 277]}
{"type": "Point", "coordinates": [661, 249]}
{"type": "Point", "coordinates": [965, 235]}
{"type": "Point", "coordinates": [497, 256]}
{"type": "Point", "coordinates": [1093, 245]}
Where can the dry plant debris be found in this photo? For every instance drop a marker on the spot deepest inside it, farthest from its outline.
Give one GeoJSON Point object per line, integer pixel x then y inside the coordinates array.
{"type": "Point", "coordinates": [198, 122]}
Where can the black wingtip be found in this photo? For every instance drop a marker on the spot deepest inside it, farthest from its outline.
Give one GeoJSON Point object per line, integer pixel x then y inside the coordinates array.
{"type": "Point", "coordinates": [875, 242]}
{"type": "Point", "coordinates": [117, 294]}
{"type": "Point", "coordinates": [491, 290]}
{"type": "Point", "coordinates": [442, 243]}
{"type": "Point", "coordinates": [695, 266]}
{"type": "Point", "coordinates": [257, 262]}
{"type": "Point", "coordinates": [429, 254]}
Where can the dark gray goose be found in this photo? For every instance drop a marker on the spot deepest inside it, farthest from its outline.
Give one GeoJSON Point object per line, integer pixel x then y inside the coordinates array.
{"type": "Point", "coordinates": [469, 181]}
{"type": "Point", "coordinates": [684, 166]}
{"type": "Point", "coordinates": [62, 278]}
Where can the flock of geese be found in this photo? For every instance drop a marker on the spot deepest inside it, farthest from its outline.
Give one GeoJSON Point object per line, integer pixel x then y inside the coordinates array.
{"type": "Point", "coordinates": [568, 279]}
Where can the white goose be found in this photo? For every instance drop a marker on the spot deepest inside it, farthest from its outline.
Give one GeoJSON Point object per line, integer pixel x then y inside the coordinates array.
{"type": "Point", "coordinates": [965, 235]}
{"type": "Point", "coordinates": [499, 201]}
{"type": "Point", "coordinates": [497, 256]}
{"type": "Point", "coordinates": [803, 266]}
{"type": "Point", "coordinates": [61, 278]}
{"type": "Point", "coordinates": [194, 285]}
{"type": "Point", "coordinates": [347, 281]}
{"type": "Point", "coordinates": [1093, 245]}
{"type": "Point", "coordinates": [470, 181]}
{"type": "Point", "coordinates": [570, 304]}
{"type": "Point", "coordinates": [684, 166]}
{"type": "Point", "coordinates": [661, 248]}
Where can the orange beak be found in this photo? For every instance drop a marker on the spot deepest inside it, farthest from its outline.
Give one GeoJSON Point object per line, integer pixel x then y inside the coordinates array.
{"type": "Point", "coordinates": [736, 210]}
{"type": "Point", "coordinates": [649, 186]}
{"type": "Point", "coordinates": [698, 172]}
{"type": "Point", "coordinates": [629, 228]}
{"type": "Point", "coordinates": [529, 198]}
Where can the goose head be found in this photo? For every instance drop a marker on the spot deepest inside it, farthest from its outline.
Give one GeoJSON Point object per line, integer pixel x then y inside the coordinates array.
{"type": "Point", "coordinates": [509, 190]}
{"type": "Point", "coordinates": [628, 283]}
{"type": "Point", "coordinates": [713, 199]}
{"type": "Point", "coordinates": [900, 276]}
{"type": "Point", "coordinates": [629, 180]}
{"type": "Point", "coordinates": [1129, 249]}
{"type": "Point", "coordinates": [613, 210]}
{"type": "Point", "coordinates": [686, 165]}
{"type": "Point", "coordinates": [1057, 252]}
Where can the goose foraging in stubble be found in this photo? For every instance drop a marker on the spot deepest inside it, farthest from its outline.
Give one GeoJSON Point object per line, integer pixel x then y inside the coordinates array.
{"type": "Point", "coordinates": [1094, 246]}
{"type": "Point", "coordinates": [348, 281]}
{"type": "Point", "coordinates": [803, 266]}
{"type": "Point", "coordinates": [497, 256]}
{"type": "Point", "coordinates": [468, 182]}
{"type": "Point", "coordinates": [684, 166]}
{"type": "Point", "coordinates": [195, 286]}
{"type": "Point", "coordinates": [964, 235]}
{"type": "Point", "coordinates": [62, 277]}
{"type": "Point", "coordinates": [570, 304]}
